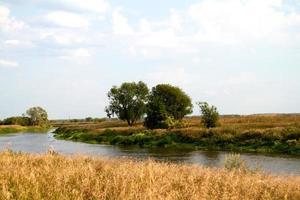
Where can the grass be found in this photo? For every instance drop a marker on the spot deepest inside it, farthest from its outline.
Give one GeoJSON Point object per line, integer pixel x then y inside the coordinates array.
{"type": "Point", "coordinates": [51, 176]}
{"type": "Point", "coordinates": [255, 133]}
{"type": "Point", "coordinates": [5, 129]}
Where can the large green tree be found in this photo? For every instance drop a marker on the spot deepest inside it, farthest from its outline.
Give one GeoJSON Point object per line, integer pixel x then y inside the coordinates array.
{"type": "Point", "coordinates": [38, 116]}
{"type": "Point", "coordinates": [166, 101]}
{"type": "Point", "coordinates": [128, 102]}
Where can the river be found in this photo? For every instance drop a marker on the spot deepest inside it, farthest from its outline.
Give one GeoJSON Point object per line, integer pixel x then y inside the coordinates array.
{"type": "Point", "coordinates": [41, 142]}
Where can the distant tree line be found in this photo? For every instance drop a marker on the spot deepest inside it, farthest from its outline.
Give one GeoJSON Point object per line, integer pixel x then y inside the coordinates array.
{"type": "Point", "coordinates": [163, 107]}
{"type": "Point", "coordinates": [35, 116]}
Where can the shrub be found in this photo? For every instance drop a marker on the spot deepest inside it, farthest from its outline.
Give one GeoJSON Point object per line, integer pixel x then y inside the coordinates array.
{"type": "Point", "coordinates": [210, 115]}
{"type": "Point", "coordinates": [234, 161]}
{"type": "Point", "coordinates": [22, 121]}
{"type": "Point", "coordinates": [89, 119]}
{"type": "Point", "coordinates": [173, 123]}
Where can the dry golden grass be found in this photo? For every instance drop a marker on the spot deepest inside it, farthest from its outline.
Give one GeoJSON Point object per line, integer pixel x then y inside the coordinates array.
{"type": "Point", "coordinates": [252, 121]}
{"type": "Point", "coordinates": [11, 126]}
{"type": "Point", "coordinates": [28, 176]}
{"type": "Point", "coordinates": [245, 122]}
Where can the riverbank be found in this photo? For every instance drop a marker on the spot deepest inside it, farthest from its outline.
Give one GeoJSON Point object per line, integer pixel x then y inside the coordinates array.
{"type": "Point", "coordinates": [52, 176]}
{"type": "Point", "coordinates": [284, 140]}
{"type": "Point", "coordinates": [253, 133]}
{"type": "Point", "coordinates": [5, 129]}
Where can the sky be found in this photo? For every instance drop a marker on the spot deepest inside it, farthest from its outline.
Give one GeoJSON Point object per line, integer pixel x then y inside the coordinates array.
{"type": "Point", "coordinates": [243, 56]}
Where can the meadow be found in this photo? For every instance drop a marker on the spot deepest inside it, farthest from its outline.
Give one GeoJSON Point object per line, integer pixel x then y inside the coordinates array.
{"type": "Point", "coordinates": [253, 133]}
{"type": "Point", "coordinates": [52, 176]}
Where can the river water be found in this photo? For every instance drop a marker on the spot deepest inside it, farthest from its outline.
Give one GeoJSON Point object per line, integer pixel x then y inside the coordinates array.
{"type": "Point", "coordinates": [41, 142]}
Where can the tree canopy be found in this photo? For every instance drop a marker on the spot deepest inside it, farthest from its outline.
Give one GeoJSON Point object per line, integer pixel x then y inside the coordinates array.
{"type": "Point", "coordinates": [166, 101]}
{"type": "Point", "coordinates": [18, 120]}
{"type": "Point", "coordinates": [210, 114]}
{"type": "Point", "coordinates": [128, 102]}
{"type": "Point", "coordinates": [38, 116]}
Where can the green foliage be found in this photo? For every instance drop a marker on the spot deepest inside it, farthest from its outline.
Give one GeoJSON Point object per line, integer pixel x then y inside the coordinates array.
{"type": "Point", "coordinates": [128, 101]}
{"type": "Point", "coordinates": [22, 121]}
{"type": "Point", "coordinates": [166, 101]}
{"type": "Point", "coordinates": [89, 119]}
{"type": "Point", "coordinates": [173, 123]}
{"type": "Point", "coordinates": [18, 129]}
{"type": "Point", "coordinates": [210, 115]}
{"type": "Point", "coordinates": [238, 133]}
{"type": "Point", "coordinates": [38, 116]}
{"type": "Point", "coordinates": [281, 140]}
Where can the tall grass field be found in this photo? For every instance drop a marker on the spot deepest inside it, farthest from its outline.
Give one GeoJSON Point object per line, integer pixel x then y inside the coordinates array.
{"type": "Point", "coordinates": [51, 176]}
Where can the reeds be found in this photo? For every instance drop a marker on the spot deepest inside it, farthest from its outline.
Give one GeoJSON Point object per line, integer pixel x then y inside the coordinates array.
{"type": "Point", "coordinates": [52, 176]}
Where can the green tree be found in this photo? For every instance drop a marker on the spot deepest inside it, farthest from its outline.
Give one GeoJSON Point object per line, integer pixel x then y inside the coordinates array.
{"type": "Point", "coordinates": [128, 102]}
{"type": "Point", "coordinates": [210, 115]}
{"type": "Point", "coordinates": [23, 121]}
{"type": "Point", "coordinates": [166, 102]}
{"type": "Point", "coordinates": [38, 116]}
{"type": "Point", "coordinates": [89, 119]}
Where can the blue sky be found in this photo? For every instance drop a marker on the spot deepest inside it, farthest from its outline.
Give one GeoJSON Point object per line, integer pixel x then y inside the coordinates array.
{"type": "Point", "coordinates": [64, 55]}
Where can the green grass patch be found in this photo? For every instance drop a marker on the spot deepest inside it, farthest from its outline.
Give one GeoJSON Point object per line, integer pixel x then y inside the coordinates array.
{"type": "Point", "coordinates": [18, 129]}
{"type": "Point", "coordinates": [284, 140]}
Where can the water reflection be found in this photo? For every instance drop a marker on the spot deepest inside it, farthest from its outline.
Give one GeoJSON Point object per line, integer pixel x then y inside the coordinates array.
{"type": "Point", "coordinates": [39, 143]}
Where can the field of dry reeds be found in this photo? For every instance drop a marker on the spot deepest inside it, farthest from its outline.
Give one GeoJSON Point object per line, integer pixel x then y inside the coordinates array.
{"type": "Point", "coordinates": [51, 176]}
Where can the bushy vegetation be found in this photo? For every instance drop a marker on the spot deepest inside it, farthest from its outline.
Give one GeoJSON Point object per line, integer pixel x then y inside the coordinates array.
{"type": "Point", "coordinates": [166, 103]}
{"type": "Point", "coordinates": [52, 176]}
{"type": "Point", "coordinates": [270, 140]}
{"type": "Point", "coordinates": [35, 121]}
{"type": "Point", "coordinates": [237, 133]}
{"type": "Point", "coordinates": [128, 102]}
{"type": "Point", "coordinates": [210, 115]}
{"type": "Point", "coordinates": [38, 116]}
{"type": "Point", "coordinates": [234, 161]}
{"type": "Point", "coordinates": [22, 121]}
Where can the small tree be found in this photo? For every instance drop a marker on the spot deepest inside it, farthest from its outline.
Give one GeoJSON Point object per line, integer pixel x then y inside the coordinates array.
{"type": "Point", "coordinates": [89, 119]}
{"type": "Point", "coordinates": [128, 101]}
{"type": "Point", "coordinates": [167, 103]}
{"type": "Point", "coordinates": [210, 115]}
{"type": "Point", "coordinates": [38, 116]}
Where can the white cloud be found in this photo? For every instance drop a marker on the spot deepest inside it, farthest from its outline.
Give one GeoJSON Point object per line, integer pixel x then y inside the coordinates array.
{"type": "Point", "coordinates": [99, 6]}
{"type": "Point", "coordinates": [170, 75]}
{"type": "Point", "coordinates": [63, 36]}
{"type": "Point", "coordinates": [218, 22]}
{"type": "Point", "coordinates": [12, 42]}
{"type": "Point", "coordinates": [8, 23]}
{"type": "Point", "coordinates": [176, 20]}
{"type": "Point", "coordinates": [8, 63]}
{"type": "Point", "coordinates": [235, 21]}
{"type": "Point", "coordinates": [18, 43]}
{"type": "Point", "coordinates": [145, 26]}
{"type": "Point", "coordinates": [76, 54]}
{"type": "Point", "coordinates": [67, 19]}
{"type": "Point", "coordinates": [68, 38]}
{"type": "Point", "coordinates": [120, 23]}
